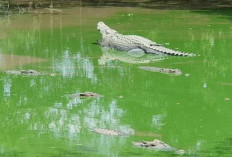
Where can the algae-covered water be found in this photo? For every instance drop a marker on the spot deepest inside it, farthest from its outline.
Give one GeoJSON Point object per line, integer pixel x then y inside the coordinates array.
{"type": "Point", "coordinates": [191, 111]}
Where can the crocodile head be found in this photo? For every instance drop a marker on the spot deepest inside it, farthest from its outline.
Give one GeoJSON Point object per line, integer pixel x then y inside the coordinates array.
{"type": "Point", "coordinates": [104, 29]}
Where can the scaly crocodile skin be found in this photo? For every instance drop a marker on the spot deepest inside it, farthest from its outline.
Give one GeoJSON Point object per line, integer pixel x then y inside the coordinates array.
{"type": "Point", "coordinates": [113, 39]}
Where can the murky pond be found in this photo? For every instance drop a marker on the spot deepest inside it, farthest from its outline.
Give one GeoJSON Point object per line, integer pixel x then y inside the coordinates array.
{"type": "Point", "coordinates": [189, 111]}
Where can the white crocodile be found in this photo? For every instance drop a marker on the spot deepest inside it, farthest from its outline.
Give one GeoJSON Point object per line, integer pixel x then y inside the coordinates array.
{"type": "Point", "coordinates": [133, 43]}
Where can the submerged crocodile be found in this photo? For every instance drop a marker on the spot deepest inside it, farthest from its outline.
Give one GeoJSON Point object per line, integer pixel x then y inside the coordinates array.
{"type": "Point", "coordinates": [29, 72]}
{"type": "Point", "coordinates": [158, 146]}
{"type": "Point", "coordinates": [133, 43]}
{"type": "Point", "coordinates": [84, 95]}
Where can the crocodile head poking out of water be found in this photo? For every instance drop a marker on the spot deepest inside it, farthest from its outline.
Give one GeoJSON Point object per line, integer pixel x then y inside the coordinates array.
{"type": "Point", "coordinates": [104, 29]}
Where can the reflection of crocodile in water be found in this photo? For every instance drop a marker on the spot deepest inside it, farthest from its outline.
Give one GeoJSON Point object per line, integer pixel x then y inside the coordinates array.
{"type": "Point", "coordinates": [133, 43]}
{"type": "Point", "coordinates": [132, 58]}
{"type": "Point", "coordinates": [112, 55]}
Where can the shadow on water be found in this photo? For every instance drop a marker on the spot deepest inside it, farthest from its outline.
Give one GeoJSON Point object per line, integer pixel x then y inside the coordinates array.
{"type": "Point", "coordinates": [164, 4]}
{"type": "Point", "coordinates": [226, 12]}
{"type": "Point", "coordinates": [209, 7]}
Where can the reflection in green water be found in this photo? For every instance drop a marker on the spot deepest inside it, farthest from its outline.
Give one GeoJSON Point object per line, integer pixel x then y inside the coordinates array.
{"type": "Point", "coordinates": [190, 112]}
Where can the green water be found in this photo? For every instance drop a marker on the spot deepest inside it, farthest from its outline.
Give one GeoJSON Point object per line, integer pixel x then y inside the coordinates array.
{"type": "Point", "coordinates": [190, 112]}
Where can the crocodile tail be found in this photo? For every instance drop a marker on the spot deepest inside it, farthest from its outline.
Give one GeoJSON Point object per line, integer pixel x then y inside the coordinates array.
{"type": "Point", "coordinates": [167, 51]}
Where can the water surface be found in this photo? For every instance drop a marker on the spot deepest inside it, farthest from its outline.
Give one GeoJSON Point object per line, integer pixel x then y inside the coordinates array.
{"type": "Point", "coordinates": [190, 111]}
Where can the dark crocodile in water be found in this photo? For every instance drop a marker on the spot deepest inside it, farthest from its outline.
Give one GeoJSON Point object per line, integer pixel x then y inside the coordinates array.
{"type": "Point", "coordinates": [173, 72]}
{"type": "Point", "coordinates": [133, 43]}
{"type": "Point", "coordinates": [84, 95]}
{"type": "Point", "coordinates": [28, 72]}
{"type": "Point", "coordinates": [24, 72]}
